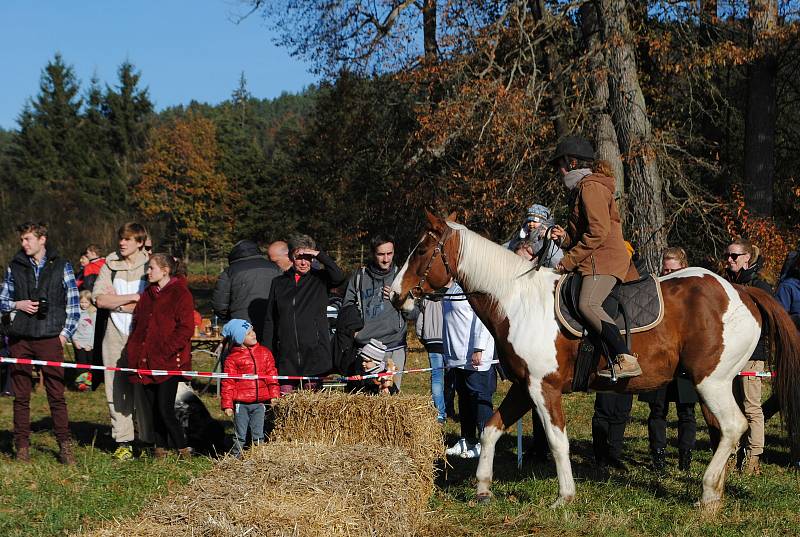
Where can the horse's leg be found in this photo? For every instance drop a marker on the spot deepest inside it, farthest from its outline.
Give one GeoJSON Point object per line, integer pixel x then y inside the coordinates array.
{"type": "Point", "coordinates": [548, 403]}
{"type": "Point", "coordinates": [515, 404]}
{"type": "Point", "coordinates": [718, 397]}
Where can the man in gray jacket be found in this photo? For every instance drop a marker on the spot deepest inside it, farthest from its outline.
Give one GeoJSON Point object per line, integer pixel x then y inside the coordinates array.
{"type": "Point", "coordinates": [242, 290]}
{"type": "Point", "coordinates": [368, 289]}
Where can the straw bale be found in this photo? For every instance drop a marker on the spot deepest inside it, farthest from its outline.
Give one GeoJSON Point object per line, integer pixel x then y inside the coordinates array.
{"type": "Point", "coordinates": [294, 489]}
{"type": "Point", "coordinates": [407, 422]}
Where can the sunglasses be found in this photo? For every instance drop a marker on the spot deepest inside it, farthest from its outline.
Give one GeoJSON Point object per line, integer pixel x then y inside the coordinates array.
{"type": "Point", "coordinates": [732, 255]}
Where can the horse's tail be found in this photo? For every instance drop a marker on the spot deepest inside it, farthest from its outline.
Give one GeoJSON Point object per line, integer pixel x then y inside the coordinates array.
{"type": "Point", "coordinates": [785, 338]}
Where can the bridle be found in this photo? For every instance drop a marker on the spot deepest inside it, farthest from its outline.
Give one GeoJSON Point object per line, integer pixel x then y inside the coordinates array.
{"type": "Point", "coordinates": [416, 292]}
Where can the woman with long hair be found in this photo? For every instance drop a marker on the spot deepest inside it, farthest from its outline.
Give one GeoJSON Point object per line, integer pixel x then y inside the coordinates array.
{"type": "Point", "coordinates": [163, 324]}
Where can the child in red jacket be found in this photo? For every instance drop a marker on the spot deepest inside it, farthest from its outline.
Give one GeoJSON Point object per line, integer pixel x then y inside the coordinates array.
{"type": "Point", "coordinates": [245, 399]}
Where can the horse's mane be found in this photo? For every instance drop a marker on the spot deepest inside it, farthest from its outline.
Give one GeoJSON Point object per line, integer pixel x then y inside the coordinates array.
{"type": "Point", "coordinates": [489, 268]}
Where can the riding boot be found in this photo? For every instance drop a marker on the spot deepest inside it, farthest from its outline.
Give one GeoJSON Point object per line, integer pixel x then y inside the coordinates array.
{"type": "Point", "coordinates": [659, 457]}
{"type": "Point", "coordinates": [620, 358]}
{"type": "Point", "coordinates": [684, 459]}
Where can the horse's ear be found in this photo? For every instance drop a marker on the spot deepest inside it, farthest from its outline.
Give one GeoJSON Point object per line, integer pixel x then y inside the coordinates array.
{"type": "Point", "coordinates": [434, 221]}
{"type": "Point", "coordinates": [451, 217]}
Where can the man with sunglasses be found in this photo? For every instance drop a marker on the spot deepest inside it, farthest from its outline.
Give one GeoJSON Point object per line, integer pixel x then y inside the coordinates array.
{"type": "Point", "coordinates": [743, 263]}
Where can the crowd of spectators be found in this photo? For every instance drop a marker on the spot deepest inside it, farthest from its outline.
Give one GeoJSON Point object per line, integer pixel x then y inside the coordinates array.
{"type": "Point", "coordinates": [294, 312]}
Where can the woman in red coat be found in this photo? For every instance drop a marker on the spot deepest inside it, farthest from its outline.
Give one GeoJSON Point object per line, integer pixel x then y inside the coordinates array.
{"type": "Point", "coordinates": [161, 339]}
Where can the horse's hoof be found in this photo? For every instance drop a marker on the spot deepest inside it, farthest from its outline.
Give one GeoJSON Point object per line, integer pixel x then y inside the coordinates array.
{"type": "Point", "coordinates": [709, 508]}
{"type": "Point", "coordinates": [561, 502]}
{"type": "Point", "coordinates": [484, 498]}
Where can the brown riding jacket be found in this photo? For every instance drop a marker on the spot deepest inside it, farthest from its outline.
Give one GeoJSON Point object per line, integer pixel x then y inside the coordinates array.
{"type": "Point", "coordinates": [594, 243]}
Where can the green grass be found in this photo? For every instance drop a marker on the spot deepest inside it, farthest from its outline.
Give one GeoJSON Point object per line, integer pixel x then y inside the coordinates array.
{"type": "Point", "coordinates": [45, 498]}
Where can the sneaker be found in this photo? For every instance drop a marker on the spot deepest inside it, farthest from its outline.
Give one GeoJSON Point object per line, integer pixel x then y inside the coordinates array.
{"type": "Point", "coordinates": [124, 452]}
{"type": "Point", "coordinates": [159, 453]}
{"type": "Point", "coordinates": [627, 366]}
{"type": "Point", "coordinates": [473, 452]}
{"type": "Point", "coordinates": [458, 448]}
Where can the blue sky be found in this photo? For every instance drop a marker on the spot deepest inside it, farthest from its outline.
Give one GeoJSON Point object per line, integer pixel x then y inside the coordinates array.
{"type": "Point", "coordinates": [185, 49]}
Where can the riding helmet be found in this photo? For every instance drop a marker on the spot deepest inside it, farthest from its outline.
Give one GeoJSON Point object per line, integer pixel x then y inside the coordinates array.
{"type": "Point", "coordinates": [573, 146]}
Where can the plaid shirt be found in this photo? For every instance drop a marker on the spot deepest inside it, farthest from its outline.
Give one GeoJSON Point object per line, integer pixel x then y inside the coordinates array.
{"type": "Point", "coordinates": [7, 304]}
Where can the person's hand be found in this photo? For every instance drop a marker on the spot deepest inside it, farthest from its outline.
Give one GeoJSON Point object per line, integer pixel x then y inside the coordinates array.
{"type": "Point", "coordinates": [476, 358]}
{"type": "Point", "coordinates": [560, 268]}
{"type": "Point", "coordinates": [136, 297]}
{"type": "Point", "coordinates": [309, 252]}
{"type": "Point", "coordinates": [385, 291]}
{"type": "Point", "coordinates": [557, 233]}
{"type": "Point", "coordinates": [229, 412]}
{"type": "Point", "coordinates": [63, 340]}
{"type": "Point", "coordinates": [28, 306]}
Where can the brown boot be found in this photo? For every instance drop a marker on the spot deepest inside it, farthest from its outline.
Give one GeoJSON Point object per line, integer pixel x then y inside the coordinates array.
{"type": "Point", "coordinates": [23, 454]}
{"type": "Point", "coordinates": [185, 453]}
{"type": "Point", "coordinates": [627, 365]}
{"type": "Point", "coordinates": [65, 455]}
{"type": "Point", "coordinates": [752, 466]}
{"type": "Point", "coordinates": [160, 453]}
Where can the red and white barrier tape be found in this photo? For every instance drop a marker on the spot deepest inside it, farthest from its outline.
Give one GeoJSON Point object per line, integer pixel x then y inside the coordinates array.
{"type": "Point", "coordinates": [206, 374]}
{"type": "Point", "coordinates": [213, 375]}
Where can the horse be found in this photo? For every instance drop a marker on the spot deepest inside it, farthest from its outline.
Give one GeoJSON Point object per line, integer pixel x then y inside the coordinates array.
{"type": "Point", "coordinates": [709, 329]}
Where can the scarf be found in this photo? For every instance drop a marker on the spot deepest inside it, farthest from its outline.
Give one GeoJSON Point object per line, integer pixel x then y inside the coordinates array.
{"type": "Point", "coordinates": [574, 177]}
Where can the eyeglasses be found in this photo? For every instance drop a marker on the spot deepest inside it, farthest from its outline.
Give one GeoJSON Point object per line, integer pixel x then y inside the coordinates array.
{"type": "Point", "coordinates": [148, 248]}
{"type": "Point", "coordinates": [733, 255]}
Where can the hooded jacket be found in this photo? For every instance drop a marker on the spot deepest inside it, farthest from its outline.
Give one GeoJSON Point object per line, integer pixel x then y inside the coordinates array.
{"type": "Point", "coordinates": [163, 324]}
{"type": "Point", "coordinates": [296, 324]}
{"type": "Point", "coordinates": [429, 325]}
{"type": "Point", "coordinates": [244, 360]}
{"type": "Point", "coordinates": [242, 289]}
{"type": "Point", "coordinates": [594, 243]}
{"type": "Point", "coordinates": [381, 320]}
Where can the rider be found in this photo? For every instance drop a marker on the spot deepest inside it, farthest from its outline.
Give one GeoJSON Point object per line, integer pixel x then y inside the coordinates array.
{"type": "Point", "coordinates": [593, 245]}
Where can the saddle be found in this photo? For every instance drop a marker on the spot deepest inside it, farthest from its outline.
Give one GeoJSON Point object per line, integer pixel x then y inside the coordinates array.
{"type": "Point", "coordinates": [635, 306]}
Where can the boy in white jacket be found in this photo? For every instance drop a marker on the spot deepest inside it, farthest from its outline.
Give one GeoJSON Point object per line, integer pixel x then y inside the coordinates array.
{"type": "Point", "coordinates": [469, 350]}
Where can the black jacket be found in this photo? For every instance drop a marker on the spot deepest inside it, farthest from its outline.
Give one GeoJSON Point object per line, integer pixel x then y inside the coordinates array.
{"type": "Point", "coordinates": [750, 277]}
{"type": "Point", "coordinates": [296, 324]}
{"type": "Point", "coordinates": [243, 288]}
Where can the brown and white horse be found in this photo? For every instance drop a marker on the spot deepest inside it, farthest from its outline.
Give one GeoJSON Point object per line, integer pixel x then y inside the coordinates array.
{"type": "Point", "coordinates": [710, 328]}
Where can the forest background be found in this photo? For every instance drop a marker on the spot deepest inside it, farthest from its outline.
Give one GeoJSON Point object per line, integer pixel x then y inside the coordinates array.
{"type": "Point", "coordinates": [447, 104]}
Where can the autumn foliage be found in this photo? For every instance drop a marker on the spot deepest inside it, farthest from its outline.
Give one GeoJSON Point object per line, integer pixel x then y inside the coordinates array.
{"type": "Point", "coordinates": [180, 183]}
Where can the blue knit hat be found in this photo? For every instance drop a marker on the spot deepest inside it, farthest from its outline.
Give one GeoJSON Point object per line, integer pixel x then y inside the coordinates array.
{"type": "Point", "coordinates": [236, 330]}
{"type": "Point", "coordinates": [538, 213]}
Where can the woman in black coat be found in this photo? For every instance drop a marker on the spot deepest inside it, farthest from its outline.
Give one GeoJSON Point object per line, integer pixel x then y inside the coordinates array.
{"type": "Point", "coordinates": [296, 324]}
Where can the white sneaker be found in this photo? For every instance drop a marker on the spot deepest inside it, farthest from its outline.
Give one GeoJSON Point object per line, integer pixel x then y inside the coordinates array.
{"type": "Point", "coordinates": [458, 448]}
{"type": "Point", "coordinates": [472, 452]}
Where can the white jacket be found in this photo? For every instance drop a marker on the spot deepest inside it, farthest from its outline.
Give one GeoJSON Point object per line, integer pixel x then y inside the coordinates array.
{"type": "Point", "coordinates": [463, 333]}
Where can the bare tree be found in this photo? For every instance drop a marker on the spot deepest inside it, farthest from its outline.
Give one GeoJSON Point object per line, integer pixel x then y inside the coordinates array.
{"type": "Point", "coordinates": [646, 222]}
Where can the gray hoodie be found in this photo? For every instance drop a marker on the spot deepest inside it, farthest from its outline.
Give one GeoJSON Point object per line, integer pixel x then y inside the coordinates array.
{"type": "Point", "coordinates": [381, 320]}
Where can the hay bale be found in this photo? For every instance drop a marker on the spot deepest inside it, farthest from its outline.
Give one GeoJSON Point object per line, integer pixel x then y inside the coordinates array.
{"type": "Point", "coordinates": [294, 489]}
{"type": "Point", "coordinates": [407, 422]}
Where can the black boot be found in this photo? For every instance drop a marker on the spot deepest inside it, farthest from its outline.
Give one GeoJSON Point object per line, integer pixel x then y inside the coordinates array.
{"type": "Point", "coordinates": [684, 459]}
{"type": "Point", "coordinates": [659, 457]}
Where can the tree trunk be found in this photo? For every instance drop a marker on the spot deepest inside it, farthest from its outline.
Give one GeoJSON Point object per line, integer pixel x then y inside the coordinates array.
{"type": "Point", "coordinates": [645, 215]}
{"type": "Point", "coordinates": [186, 253]}
{"type": "Point", "coordinates": [429, 32]}
{"type": "Point", "coordinates": [759, 138]}
{"type": "Point", "coordinates": [605, 138]}
{"type": "Point", "coordinates": [552, 60]}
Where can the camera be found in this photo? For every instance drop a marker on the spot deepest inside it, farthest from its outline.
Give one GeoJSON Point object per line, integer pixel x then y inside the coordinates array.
{"type": "Point", "coordinates": [43, 307]}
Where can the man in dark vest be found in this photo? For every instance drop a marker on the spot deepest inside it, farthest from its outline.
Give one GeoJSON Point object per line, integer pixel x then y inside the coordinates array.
{"type": "Point", "coordinates": [40, 294]}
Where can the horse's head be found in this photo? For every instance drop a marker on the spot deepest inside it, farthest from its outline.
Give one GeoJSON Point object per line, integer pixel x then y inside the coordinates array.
{"type": "Point", "coordinates": [431, 264]}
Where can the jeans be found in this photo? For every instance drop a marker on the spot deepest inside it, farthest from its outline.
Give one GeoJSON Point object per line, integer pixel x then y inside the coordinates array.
{"type": "Point", "coordinates": [437, 383]}
{"type": "Point", "coordinates": [22, 384]}
{"type": "Point", "coordinates": [248, 415]}
{"type": "Point", "coordinates": [475, 390]}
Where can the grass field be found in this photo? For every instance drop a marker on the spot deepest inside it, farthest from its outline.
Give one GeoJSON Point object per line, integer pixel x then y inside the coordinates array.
{"type": "Point", "coordinates": [45, 498]}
